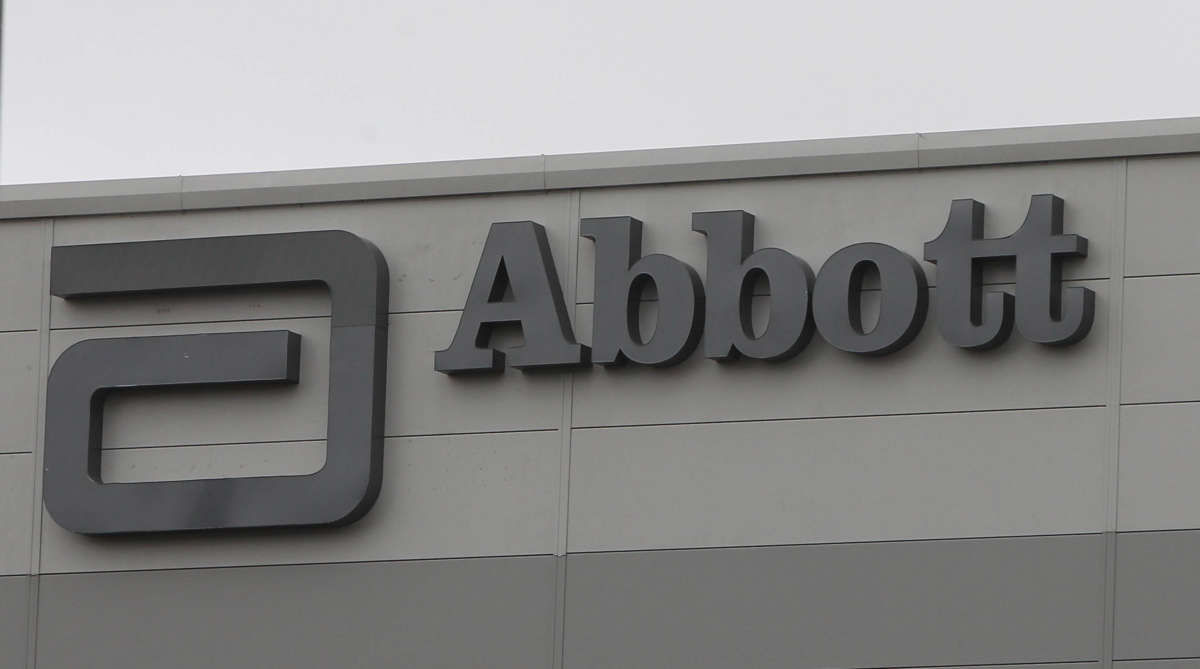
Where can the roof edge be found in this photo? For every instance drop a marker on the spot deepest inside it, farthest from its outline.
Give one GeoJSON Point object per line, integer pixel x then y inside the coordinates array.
{"type": "Point", "coordinates": [609, 168]}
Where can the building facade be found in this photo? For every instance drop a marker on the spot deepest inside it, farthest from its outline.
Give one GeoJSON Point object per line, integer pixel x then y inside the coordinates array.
{"type": "Point", "coordinates": [934, 506]}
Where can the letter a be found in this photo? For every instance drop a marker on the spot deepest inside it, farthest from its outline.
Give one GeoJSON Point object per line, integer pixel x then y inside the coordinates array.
{"type": "Point", "coordinates": [516, 256]}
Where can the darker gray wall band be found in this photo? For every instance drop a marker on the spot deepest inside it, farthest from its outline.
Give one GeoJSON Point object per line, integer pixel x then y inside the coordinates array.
{"type": "Point", "coordinates": [1157, 598]}
{"type": "Point", "coordinates": [933, 603]}
{"type": "Point", "coordinates": [837, 297]}
{"type": "Point", "coordinates": [516, 255]}
{"type": "Point", "coordinates": [621, 274]}
{"type": "Point", "coordinates": [1045, 312]}
{"type": "Point", "coordinates": [435, 614]}
{"type": "Point", "coordinates": [733, 266]}
{"type": "Point", "coordinates": [341, 492]}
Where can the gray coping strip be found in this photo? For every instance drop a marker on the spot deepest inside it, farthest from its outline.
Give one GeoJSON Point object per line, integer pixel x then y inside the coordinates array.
{"type": "Point", "coordinates": [610, 168]}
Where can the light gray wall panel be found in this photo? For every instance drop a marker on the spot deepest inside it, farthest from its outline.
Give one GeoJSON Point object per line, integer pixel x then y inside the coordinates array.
{"type": "Point", "coordinates": [14, 621]}
{"type": "Point", "coordinates": [1044, 665]}
{"type": "Point", "coordinates": [904, 604]}
{"type": "Point", "coordinates": [22, 254]}
{"type": "Point", "coordinates": [184, 463]}
{"type": "Point", "coordinates": [159, 417]}
{"type": "Point", "coordinates": [815, 216]}
{"type": "Point", "coordinates": [1163, 225]}
{"type": "Point", "coordinates": [928, 375]}
{"type": "Point", "coordinates": [841, 479]}
{"type": "Point", "coordinates": [16, 512]}
{"type": "Point", "coordinates": [420, 400]}
{"type": "Point", "coordinates": [452, 496]}
{"type": "Point", "coordinates": [1159, 464]}
{"type": "Point", "coordinates": [449, 613]}
{"type": "Point", "coordinates": [423, 401]}
{"type": "Point", "coordinates": [1160, 361]}
{"type": "Point", "coordinates": [238, 304]}
{"type": "Point", "coordinates": [1193, 663]}
{"type": "Point", "coordinates": [431, 246]}
{"type": "Point", "coordinates": [1158, 595]}
{"type": "Point", "coordinates": [18, 391]}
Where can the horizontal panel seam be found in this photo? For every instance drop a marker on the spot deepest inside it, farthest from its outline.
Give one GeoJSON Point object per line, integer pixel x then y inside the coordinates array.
{"type": "Point", "coordinates": [875, 542]}
{"type": "Point", "coordinates": [269, 442]}
{"type": "Point", "coordinates": [843, 416]}
{"type": "Point", "coordinates": [1156, 659]}
{"type": "Point", "coordinates": [1158, 402]}
{"type": "Point", "coordinates": [506, 556]}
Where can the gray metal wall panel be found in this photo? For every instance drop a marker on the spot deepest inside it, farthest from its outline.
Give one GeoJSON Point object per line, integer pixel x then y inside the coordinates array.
{"type": "Point", "coordinates": [449, 496]}
{"type": "Point", "coordinates": [18, 391]}
{"type": "Point", "coordinates": [1159, 360]}
{"type": "Point", "coordinates": [1162, 231]}
{"type": "Point", "coordinates": [238, 304]}
{"type": "Point", "coordinates": [449, 613]}
{"type": "Point", "coordinates": [16, 512]}
{"type": "Point", "coordinates": [185, 463]}
{"type": "Point", "coordinates": [813, 217]}
{"type": "Point", "coordinates": [431, 246]}
{"type": "Point", "coordinates": [22, 254]}
{"type": "Point", "coordinates": [1157, 595]}
{"type": "Point", "coordinates": [982, 601]}
{"type": "Point", "coordinates": [180, 416]}
{"type": "Point", "coordinates": [823, 381]}
{"type": "Point", "coordinates": [1192, 663]}
{"type": "Point", "coordinates": [841, 479]}
{"type": "Point", "coordinates": [14, 621]}
{"type": "Point", "coordinates": [420, 401]}
{"type": "Point", "coordinates": [1159, 462]}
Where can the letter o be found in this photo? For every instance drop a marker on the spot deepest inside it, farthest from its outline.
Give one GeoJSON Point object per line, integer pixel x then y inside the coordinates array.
{"type": "Point", "coordinates": [837, 296]}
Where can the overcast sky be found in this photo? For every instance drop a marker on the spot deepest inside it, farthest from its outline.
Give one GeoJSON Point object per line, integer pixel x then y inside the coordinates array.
{"type": "Point", "coordinates": [98, 89]}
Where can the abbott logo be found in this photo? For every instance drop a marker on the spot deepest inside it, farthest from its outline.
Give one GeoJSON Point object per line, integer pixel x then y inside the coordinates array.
{"type": "Point", "coordinates": [341, 492]}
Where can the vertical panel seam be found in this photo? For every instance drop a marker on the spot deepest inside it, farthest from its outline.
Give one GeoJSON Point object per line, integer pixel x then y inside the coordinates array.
{"type": "Point", "coordinates": [564, 457]}
{"type": "Point", "coordinates": [1113, 400]}
{"type": "Point", "coordinates": [35, 522]}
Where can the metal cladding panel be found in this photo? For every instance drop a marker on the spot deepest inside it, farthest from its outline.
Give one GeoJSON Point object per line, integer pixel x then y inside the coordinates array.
{"type": "Point", "coordinates": [1157, 595]}
{"type": "Point", "coordinates": [1163, 212]}
{"type": "Point", "coordinates": [905, 604]}
{"type": "Point", "coordinates": [1159, 462]}
{"type": "Point", "coordinates": [420, 401]}
{"type": "Point", "coordinates": [22, 254]}
{"type": "Point", "coordinates": [840, 479]}
{"type": "Point", "coordinates": [431, 247]}
{"type": "Point", "coordinates": [814, 217]}
{"type": "Point", "coordinates": [929, 375]}
{"type": "Point", "coordinates": [198, 415]}
{"type": "Point", "coordinates": [16, 512]}
{"type": "Point", "coordinates": [442, 496]}
{"type": "Point", "coordinates": [19, 382]}
{"type": "Point", "coordinates": [1160, 361]}
{"type": "Point", "coordinates": [14, 621]}
{"type": "Point", "coordinates": [449, 613]}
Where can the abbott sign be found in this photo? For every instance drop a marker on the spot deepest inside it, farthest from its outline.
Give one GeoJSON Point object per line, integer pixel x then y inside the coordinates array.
{"type": "Point", "coordinates": [515, 283]}
{"type": "Point", "coordinates": [516, 258]}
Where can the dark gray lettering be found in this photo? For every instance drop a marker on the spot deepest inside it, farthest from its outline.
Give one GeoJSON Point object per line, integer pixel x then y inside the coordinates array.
{"type": "Point", "coordinates": [516, 256]}
{"type": "Point", "coordinates": [733, 267]}
{"type": "Point", "coordinates": [621, 273]}
{"type": "Point", "coordinates": [837, 295]}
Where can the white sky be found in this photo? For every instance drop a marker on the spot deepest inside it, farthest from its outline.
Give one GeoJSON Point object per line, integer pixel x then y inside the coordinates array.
{"type": "Point", "coordinates": [93, 89]}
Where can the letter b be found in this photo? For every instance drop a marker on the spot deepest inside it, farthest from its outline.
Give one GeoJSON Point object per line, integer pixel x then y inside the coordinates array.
{"type": "Point", "coordinates": [733, 267]}
{"type": "Point", "coordinates": [621, 272]}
